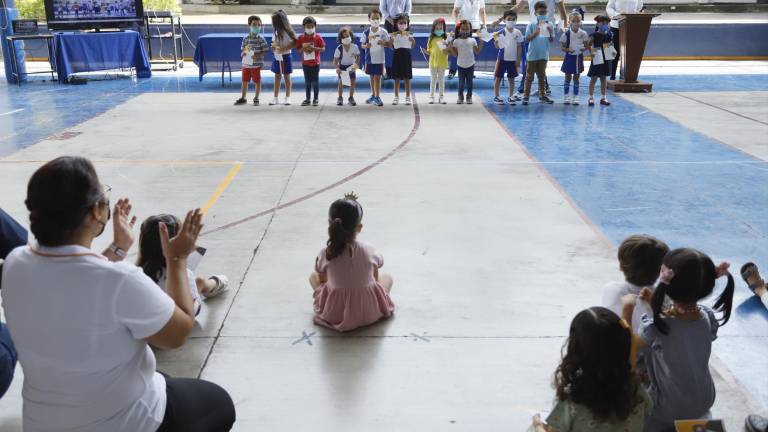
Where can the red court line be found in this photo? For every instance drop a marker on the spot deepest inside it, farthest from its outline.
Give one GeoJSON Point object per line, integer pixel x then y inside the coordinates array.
{"type": "Point", "coordinates": [552, 180]}
{"type": "Point", "coordinates": [414, 129]}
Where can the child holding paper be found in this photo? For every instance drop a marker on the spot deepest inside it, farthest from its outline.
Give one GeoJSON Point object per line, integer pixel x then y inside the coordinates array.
{"type": "Point", "coordinates": [402, 67]}
{"type": "Point", "coordinates": [464, 47]}
{"type": "Point", "coordinates": [539, 34]}
{"type": "Point", "coordinates": [283, 40]}
{"type": "Point", "coordinates": [437, 50]}
{"type": "Point", "coordinates": [508, 42]}
{"type": "Point", "coordinates": [252, 52]}
{"type": "Point", "coordinates": [603, 53]}
{"type": "Point", "coordinates": [574, 41]}
{"type": "Point", "coordinates": [346, 57]}
{"type": "Point", "coordinates": [373, 42]}
{"type": "Point", "coordinates": [311, 45]}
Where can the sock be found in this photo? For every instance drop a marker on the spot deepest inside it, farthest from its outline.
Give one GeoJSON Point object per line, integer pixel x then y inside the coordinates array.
{"type": "Point", "coordinates": [567, 87]}
{"type": "Point", "coordinates": [575, 89]}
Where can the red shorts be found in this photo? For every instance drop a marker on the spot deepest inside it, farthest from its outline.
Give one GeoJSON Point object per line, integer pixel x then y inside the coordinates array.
{"type": "Point", "coordinates": [252, 74]}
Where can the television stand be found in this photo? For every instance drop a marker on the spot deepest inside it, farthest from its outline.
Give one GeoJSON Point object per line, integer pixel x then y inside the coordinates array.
{"type": "Point", "coordinates": [153, 20]}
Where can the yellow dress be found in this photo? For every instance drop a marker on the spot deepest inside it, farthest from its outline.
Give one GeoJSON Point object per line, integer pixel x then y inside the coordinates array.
{"type": "Point", "coordinates": [437, 59]}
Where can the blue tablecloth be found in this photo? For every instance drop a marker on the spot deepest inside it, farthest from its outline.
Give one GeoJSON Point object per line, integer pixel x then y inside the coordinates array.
{"type": "Point", "coordinates": [82, 52]}
{"type": "Point", "coordinates": [217, 52]}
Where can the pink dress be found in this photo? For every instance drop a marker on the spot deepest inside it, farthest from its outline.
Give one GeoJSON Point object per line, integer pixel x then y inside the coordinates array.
{"type": "Point", "coordinates": [352, 297]}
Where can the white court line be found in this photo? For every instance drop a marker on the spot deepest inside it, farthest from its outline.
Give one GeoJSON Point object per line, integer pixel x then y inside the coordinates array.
{"type": "Point", "coordinates": [12, 112]}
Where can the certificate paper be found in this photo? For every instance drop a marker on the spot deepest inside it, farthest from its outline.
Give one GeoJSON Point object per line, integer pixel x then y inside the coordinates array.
{"type": "Point", "coordinates": [345, 79]}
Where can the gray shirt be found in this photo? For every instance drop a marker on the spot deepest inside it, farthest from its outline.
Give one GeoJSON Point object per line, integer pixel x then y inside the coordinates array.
{"type": "Point", "coordinates": [678, 366]}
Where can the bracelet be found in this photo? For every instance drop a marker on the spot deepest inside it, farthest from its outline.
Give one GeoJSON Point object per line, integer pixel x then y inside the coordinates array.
{"type": "Point", "coordinates": [115, 249]}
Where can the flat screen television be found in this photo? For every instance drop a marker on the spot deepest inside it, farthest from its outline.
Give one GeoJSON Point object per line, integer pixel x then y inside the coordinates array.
{"type": "Point", "coordinates": [93, 14]}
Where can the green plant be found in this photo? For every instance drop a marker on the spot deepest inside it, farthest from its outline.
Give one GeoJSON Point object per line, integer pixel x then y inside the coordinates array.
{"type": "Point", "coordinates": [31, 9]}
{"type": "Point", "coordinates": [162, 5]}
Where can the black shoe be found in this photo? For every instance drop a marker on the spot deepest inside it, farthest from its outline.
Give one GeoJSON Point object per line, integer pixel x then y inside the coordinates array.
{"type": "Point", "coordinates": [451, 75]}
{"type": "Point", "coordinates": [546, 100]}
{"type": "Point", "coordinates": [305, 102]}
{"type": "Point", "coordinates": [255, 101]}
{"type": "Point", "coordinates": [340, 101]}
{"type": "Point", "coordinates": [756, 423]}
{"type": "Point", "coordinates": [241, 101]}
{"type": "Point", "coordinates": [351, 101]}
{"type": "Point", "coordinates": [315, 102]}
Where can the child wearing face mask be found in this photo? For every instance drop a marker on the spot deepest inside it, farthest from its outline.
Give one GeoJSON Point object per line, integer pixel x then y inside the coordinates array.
{"type": "Point", "coordinates": [602, 56]}
{"type": "Point", "coordinates": [464, 47]}
{"type": "Point", "coordinates": [402, 69]}
{"type": "Point", "coordinates": [311, 45]}
{"type": "Point", "coordinates": [254, 45]}
{"type": "Point", "coordinates": [508, 42]}
{"type": "Point", "coordinates": [539, 34]}
{"type": "Point", "coordinates": [373, 42]}
{"type": "Point", "coordinates": [283, 41]}
{"type": "Point", "coordinates": [346, 57]}
{"type": "Point", "coordinates": [437, 51]}
{"type": "Point", "coordinates": [573, 42]}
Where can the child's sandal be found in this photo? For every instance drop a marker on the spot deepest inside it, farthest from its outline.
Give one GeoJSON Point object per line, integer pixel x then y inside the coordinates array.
{"type": "Point", "coordinates": [591, 101]}
{"type": "Point", "coordinates": [749, 270]}
{"type": "Point", "coordinates": [604, 102]}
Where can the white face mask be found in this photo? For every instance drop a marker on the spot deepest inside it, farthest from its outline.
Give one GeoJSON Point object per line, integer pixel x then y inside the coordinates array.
{"type": "Point", "coordinates": [309, 31]}
{"type": "Point", "coordinates": [347, 40]}
{"type": "Point", "coordinates": [510, 24]}
{"type": "Point", "coordinates": [375, 23]}
{"type": "Point", "coordinates": [575, 26]}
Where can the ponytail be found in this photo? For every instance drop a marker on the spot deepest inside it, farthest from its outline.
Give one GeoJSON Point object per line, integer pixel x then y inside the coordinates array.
{"type": "Point", "coordinates": [338, 238]}
{"type": "Point", "coordinates": [724, 303]}
{"type": "Point", "coordinates": [657, 303]}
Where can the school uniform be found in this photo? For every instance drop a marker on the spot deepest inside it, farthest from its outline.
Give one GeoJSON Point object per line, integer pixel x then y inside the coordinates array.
{"type": "Point", "coordinates": [311, 66]}
{"type": "Point", "coordinates": [600, 41]}
{"type": "Point", "coordinates": [346, 57]}
{"type": "Point", "coordinates": [375, 55]}
{"type": "Point", "coordinates": [282, 65]}
{"type": "Point", "coordinates": [574, 63]}
{"type": "Point", "coordinates": [506, 60]}
{"type": "Point", "coordinates": [402, 65]}
{"type": "Point", "coordinates": [465, 60]}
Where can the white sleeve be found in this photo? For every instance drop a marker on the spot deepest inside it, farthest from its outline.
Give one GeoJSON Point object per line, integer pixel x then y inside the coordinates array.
{"type": "Point", "coordinates": [563, 37]}
{"type": "Point", "coordinates": [336, 53]}
{"type": "Point", "coordinates": [764, 298]}
{"type": "Point", "coordinates": [140, 305]}
{"type": "Point", "coordinates": [610, 9]}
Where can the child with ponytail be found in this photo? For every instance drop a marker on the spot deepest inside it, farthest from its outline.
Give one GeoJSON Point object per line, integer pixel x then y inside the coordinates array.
{"type": "Point", "coordinates": [677, 341]}
{"type": "Point", "coordinates": [349, 291]}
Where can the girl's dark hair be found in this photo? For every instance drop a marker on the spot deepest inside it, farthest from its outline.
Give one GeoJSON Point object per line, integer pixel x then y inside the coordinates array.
{"type": "Point", "coordinates": [602, 19]}
{"type": "Point", "coordinates": [349, 32]}
{"type": "Point", "coordinates": [309, 20]}
{"type": "Point", "coordinates": [595, 370]}
{"type": "Point", "coordinates": [540, 5]}
{"type": "Point", "coordinates": [403, 17]}
{"type": "Point", "coordinates": [434, 25]}
{"type": "Point", "coordinates": [59, 196]}
{"type": "Point", "coordinates": [694, 280]}
{"type": "Point", "coordinates": [461, 23]}
{"type": "Point", "coordinates": [510, 13]}
{"type": "Point", "coordinates": [280, 24]}
{"type": "Point", "coordinates": [151, 258]}
{"type": "Point", "coordinates": [343, 218]}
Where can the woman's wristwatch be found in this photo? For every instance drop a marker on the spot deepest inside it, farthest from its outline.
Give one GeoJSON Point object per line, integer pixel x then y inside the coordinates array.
{"type": "Point", "coordinates": [119, 252]}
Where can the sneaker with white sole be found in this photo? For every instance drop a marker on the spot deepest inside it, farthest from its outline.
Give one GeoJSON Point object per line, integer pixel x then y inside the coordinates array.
{"type": "Point", "coordinates": [287, 101]}
{"type": "Point", "coordinates": [469, 100]}
{"type": "Point", "coordinates": [575, 100]}
{"type": "Point", "coordinates": [222, 284]}
{"type": "Point", "coordinates": [546, 100]}
{"type": "Point", "coordinates": [370, 100]}
{"type": "Point", "coordinates": [274, 101]}
{"type": "Point", "coordinates": [511, 100]}
{"type": "Point", "coordinates": [517, 96]}
{"type": "Point", "coordinates": [396, 101]}
{"type": "Point", "coordinates": [407, 100]}
{"type": "Point", "coordinates": [431, 100]}
{"type": "Point", "coordinates": [567, 99]}
{"type": "Point", "coordinates": [441, 101]}
{"type": "Point", "coordinates": [498, 101]}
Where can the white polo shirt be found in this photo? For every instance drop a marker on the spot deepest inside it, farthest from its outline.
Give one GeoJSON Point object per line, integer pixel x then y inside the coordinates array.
{"type": "Point", "coordinates": [470, 10]}
{"type": "Point", "coordinates": [79, 323]}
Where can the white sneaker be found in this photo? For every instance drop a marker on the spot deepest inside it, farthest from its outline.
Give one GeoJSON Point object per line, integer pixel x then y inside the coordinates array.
{"type": "Point", "coordinates": [274, 101]}
{"type": "Point", "coordinates": [222, 283]}
{"type": "Point", "coordinates": [575, 100]}
{"type": "Point", "coordinates": [396, 100]}
{"type": "Point", "coordinates": [287, 101]}
{"type": "Point", "coordinates": [517, 96]}
{"type": "Point", "coordinates": [567, 99]}
{"type": "Point", "coordinates": [441, 101]}
{"type": "Point", "coordinates": [431, 100]}
{"type": "Point", "coordinates": [407, 100]}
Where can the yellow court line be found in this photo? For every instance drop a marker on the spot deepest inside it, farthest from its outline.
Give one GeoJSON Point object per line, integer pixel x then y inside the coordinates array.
{"type": "Point", "coordinates": [222, 187]}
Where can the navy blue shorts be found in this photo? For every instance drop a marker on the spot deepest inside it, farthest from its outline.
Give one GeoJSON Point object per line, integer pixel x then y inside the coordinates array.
{"type": "Point", "coordinates": [351, 73]}
{"type": "Point", "coordinates": [374, 69]}
{"type": "Point", "coordinates": [285, 69]}
{"type": "Point", "coordinates": [505, 67]}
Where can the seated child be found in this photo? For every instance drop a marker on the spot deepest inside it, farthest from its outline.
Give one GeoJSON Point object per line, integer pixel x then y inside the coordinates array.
{"type": "Point", "coordinates": [640, 258]}
{"type": "Point", "coordinates": [676, 342]}
{"type": "Point", "coordinates": [152, 261]}
{"type": "Point", "coordinates": [349, 291]}
{"type": "Point", "coordinates": [597, 388]}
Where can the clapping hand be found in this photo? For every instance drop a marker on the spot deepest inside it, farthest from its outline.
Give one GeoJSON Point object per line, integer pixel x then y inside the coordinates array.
{"type": "Point", "coordinates": [183, 244]}
{"type": "Point", "coordinates": [122, 224]}
{"type": "Point", "coordinates": [722, 269]}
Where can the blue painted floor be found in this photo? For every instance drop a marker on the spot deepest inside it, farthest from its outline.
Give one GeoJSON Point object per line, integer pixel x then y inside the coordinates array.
{"type": "Point", "coordinates": [628, 169]}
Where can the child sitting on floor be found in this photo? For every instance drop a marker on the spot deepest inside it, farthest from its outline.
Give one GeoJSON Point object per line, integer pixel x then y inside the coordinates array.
{"type": "Point", "coordinates": [677, 342]}
{"type": "Point", "coordinates": [349, 291]}
{"type": "Point", "coordinates": [640, 258]}
{"type": "Point", "coordinates": [597, 388]}
{"type": "Point", "coordinates": [152, 260]}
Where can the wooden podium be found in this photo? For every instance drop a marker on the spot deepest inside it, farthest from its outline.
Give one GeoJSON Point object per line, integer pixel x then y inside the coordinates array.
{"type": "Point", "coordinates": [633, 32]}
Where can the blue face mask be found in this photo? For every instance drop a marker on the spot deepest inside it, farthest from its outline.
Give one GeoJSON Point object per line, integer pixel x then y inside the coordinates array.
{"type": "Point", "coordinates": [255, 29]}
{"type": "Point", "coordinates": [439, 33]}
{"type": "Point", "coordinates": [541, 17]}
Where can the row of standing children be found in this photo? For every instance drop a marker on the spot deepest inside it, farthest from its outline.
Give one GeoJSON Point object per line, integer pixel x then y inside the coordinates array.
{"type": "Point", "coordinates": [440, 44]}
{"type": "Point", "coordinates": [641, 361]}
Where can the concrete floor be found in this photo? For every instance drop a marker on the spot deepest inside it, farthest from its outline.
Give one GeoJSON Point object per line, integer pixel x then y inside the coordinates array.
{"type": "Point", "coordinates": [497, 226]}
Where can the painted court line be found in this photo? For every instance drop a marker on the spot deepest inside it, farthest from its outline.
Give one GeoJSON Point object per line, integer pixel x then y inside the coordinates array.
{"type": "Point", "coordinates": [414, 129]}
{"type": "Point", "coordinates": [222, 187]}
{"type": "Point", "coordinates": [12, 112]}
{"type": "Point", "coordinates": [719, 108]}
